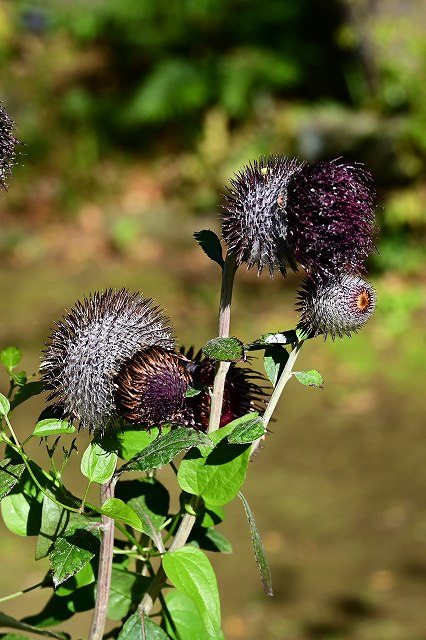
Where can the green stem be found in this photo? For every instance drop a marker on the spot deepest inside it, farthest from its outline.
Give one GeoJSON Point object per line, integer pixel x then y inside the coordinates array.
{"type": "Point", "coordinates": [21, 593]}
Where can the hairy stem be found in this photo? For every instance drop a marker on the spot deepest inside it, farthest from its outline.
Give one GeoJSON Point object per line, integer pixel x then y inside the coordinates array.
{"type": "Point", "coordinates": [228, 275]}
{"type": "Point", "coordinates": [105, 566]}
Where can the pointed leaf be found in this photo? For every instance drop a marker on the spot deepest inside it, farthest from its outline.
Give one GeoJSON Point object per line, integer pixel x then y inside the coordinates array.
{"type": "Point", "coordinates": [210, 244]}
{"type": "Point", "coordinates": [186, 618]}
{"type": "Point", "coordinates": [97, 464]}
{"type": "Point", "coordinates": [71, 553]}
{"type": "Point", "coordinates": [224, 349]}
{"type": "Point", "coordinates": [10, 357]}
{"type": "Point", "coordinates": [274, 361]}
{"type": "Point", "coordinates": [259, 551]}
{"type": "Point", "coordinates": [247, 429]}
{"type": "Point", "coordinates": [165, 448]}
{"type": "Point", "coordinates": [52, 426]}
{"type": "Point", "coordinates": [27, 391]}
{"type": "Point", "coordinates": [133, 629]}
{"type": "Point", "coordinates": [310, 378]}
{"type": "Point", "coordinates": [117, 510]}
{"type": "Point", "coordinates": [10, 473]}
{"type": "Point", "coordinates": [132, 442]}
{"type": "Point", "coordinates": [190, 571]}
{"type": "Point", "coordinates": [4, 405]}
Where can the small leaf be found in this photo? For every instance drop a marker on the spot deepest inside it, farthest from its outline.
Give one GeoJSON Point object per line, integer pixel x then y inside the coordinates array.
{"type": "Point", "coordinates": [259, 551]}
{"type": "Point", "coordinates": [10, 357]}
{"type": "Point", "coordinates": [11, 623]}
{"type": "Point", "coordinates": [27, 391]}
{"type": "Point", "coordinates": [274, 361]}
{"type": "Point", "coordinates": [246, 429]}
{"type": "Point", "coordinates": [71, 553]}
{"type": "Point", "coordinates": [165, 448]}
{"type": "Point", "coordinates": [210, 244]}
{"type": "Point", "coordinates": [118, 510]}
{"type": "Point", "coordinates": [310, 378]}
{"type": "Point", "coordinates": [4, 405]}
{"type": "Point", "coordinates": [10, 473]}
{"type": "Point", "coordinates": [269, 339]}
{"type": "Point", "coordinates": [194, 390]}
{"type": "Point", "coordinates": [133, 630]}
{"type": "Point", "coordinates": [97, 464]}
{"type": "Point", "coordinates": [19, 379]}
{"type": "Point", "coordinates": [52, 426]}
{"type": "Point", "coordinates": [190, 571]}
{"type": "Point", "coordinates": [224, 349]}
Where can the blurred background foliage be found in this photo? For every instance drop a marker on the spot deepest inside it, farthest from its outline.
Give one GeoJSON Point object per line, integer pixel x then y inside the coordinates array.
{"type": "Point", "coordinates": [134, 114]}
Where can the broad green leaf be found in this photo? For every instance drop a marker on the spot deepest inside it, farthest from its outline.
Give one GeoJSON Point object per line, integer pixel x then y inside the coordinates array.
{"type": "Point", "coordinates": [52, 426]}
{"type": "Point", "coordinates": [186, 618]}
{"type": "Point", "coordinates": [165, 448]}
{"type": "Point", "coordinates": [71, 553]}
{"type": "Point", "coordinates": [259, 551]}
{"type": "Point", "coordinates": [10, 473]}
{"type": "Point", "coordinates": [215, 474]}
{"type": "Point", "coordinates": [10, 357]}
{"type": "Point", "coordinates": [274, 361]}
{"type": "Point", "coordinates": [310, 378]}
{"type": "Point", "coordinates": [190, 571]}
{"type": "Point", "coordinates": [97, 464]}
{"type": "Point", "coordinates": [11, 623]}
{"type": "Point", "coordinates": [118, 510]}
{"type": "Point", "coordinates": [127, 588]}
{"type": "Point", "coordinates": [132, 442]}
{"type": "Point", "coordinates": [269, 339]}
{"type": "Point", "coordinates": [149, 499]}
{"type": "Point", "coordinates": [246, 429]}
{"type": "Point", "coordinates": [210, 244]}
{"type": "Point", "coordinates": [226, 349]}
{"type": "Point", "coordinates": [4, 405]}
{"type": "Point", "coordinates": [132, 629]}
{"type": "Point", "coordinates": [15, 510]}
{"type": "Point", "coordinates": [82, 578]}
{"type": "Point", "coordinates": [27, 391]}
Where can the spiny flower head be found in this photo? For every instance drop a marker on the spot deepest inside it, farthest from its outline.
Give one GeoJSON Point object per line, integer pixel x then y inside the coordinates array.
{"type": "Point", "coordinates": [254, 224]}
{"type": "Point", "coordinates": [335, 306]}
{"type": "Point", "coordinates": [88, 347]}
{"type": "Point", "coordinates": [242, 393]}
{"type": "Point", "coordinates": [8, 144]}
{"type": "Point", "coordinates": [330, 217]}
{"type": "Point", "coordinates": [151, 386]}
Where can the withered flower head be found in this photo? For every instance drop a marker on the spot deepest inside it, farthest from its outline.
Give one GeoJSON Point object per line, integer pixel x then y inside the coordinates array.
{"type": "Point", "coordinates": [280, 211]}
{"type": "Point", "coordinates": [336, 306]}
{"type": "Point", "coordinates": [254, 224]}
{"type": "Point", "coordinates": [88, 347]}
{"type": "Point", "coordinates": [242, 392]}
{"type": "Point", "coordinates": [330, 217]}
{"type": "Point", "coordinates": [8, 144]}
{"type": "Point", "coordinates": [151, 386]}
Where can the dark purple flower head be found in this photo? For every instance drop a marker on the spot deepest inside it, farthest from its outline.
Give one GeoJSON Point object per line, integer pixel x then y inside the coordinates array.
{"type": "Point", "coordinates": [151, 387]}
{"type": "Point", "coordinates": [254, 224]}
{"type": "Point", "coordinates": [88, 347]}
{"type": "Point", "coordinates": [338, 305]}
{"type": "Point", "coordinates": [330, 217]}
{"type": "Point", "coordinates": [8, 144]}
{"type": "Point", "coordinates": [242, 392]}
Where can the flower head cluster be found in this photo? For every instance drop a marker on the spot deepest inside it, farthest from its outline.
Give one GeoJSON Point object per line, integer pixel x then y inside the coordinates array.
{"type": "Point", "coordinates": [89, 346]}
{"type": "Point", "coordinates": [281, 212]}
{"type": "Point", "coordinates": [8, 144]}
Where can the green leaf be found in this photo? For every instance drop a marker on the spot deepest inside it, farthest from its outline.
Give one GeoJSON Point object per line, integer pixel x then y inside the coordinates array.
{"type": "Point", "coordinates": [82, 578]}
{"type": "Point", "coordinates": [132, 629]}
{"type": "Point", "coordinates": [10, 473]}
{"type": "Point", "coordinates": [310, 378]}
{"type": "Point", "coordinates": [194, 390]}
{"type": "Point", "coordinates": [211, 515]}
{"type": "Point", "coordinates": [71, 553]}
{"type": "Point", "coordinates": [20, 378]}
{"type": "Point", "coordinates": [10, 357]}
{"type": "Point", "coordinates": [270, 339]}
{"type": "Point", "coordinates": [97, 464]}
{"type": "Point", "coordinates": [224, 349]}
{"type": "Point", "coordinates": [259, 551]}
{"type": "Point", "coordinates": [4, 405]}
{"type": "Point", "coordinates": [215, 474]}
{"type": "Point", "coordinates": [27, 391]}
{"type": "Point", "coordinates": [246, 429]}
{"type": "Point", "coordinates": [15, 510]}
{"type": "Point", "coordinates": [210, 244]}
{"type": "Point", "coordinates": [52, 426]}
{"type": "Point", "coordinates": [190, 571]}
{"type": "Point", "coordinates": [149, 499]}
{"type": "Point", "coordinates": [127, 588]}
{"type": "Point", "coordinates": [11, 623]}
{"type": "Point", "coordinates": [165, 448]}
{"type": "Point", "coordinates": [132, 442]}
{"type": "Point", "coordinates": [186, 618]}
{"type": "Point", "coordinates": [274, 361]}
{"type": "Point", "coordinates": [117, 510]}
{"type": "Point", "coordinates": [209, 540]}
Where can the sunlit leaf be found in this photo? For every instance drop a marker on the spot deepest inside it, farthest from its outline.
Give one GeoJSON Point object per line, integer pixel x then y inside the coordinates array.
{"type": "Point", "coordinates": [274, 361]}
{"type": "Point", "coordinates": [97, 464]}
{"type": "Point", "coordinates": [133, 630]}
{"type": "Point", "coordinates": [310, 378]}
{"type": "Point", "coordinates": [186, 618]}
{"type": "Point", "coordinates": [4, 405]}
{"type": "Point", "coordinates": [52, 426]}
{"type": "Point", "coordinates": [246, 429]}
{"type": "Point", "coordinates": [71, 553]}
{"type": "Point", "coordinates": [10, 357]}
{"type": "Point", "coordinates": [224, 349]}
{"type": "Point", "coordinates": [10, 473]}
{"type": "Point", "coordinates": [118, 510]}
{"type": "Point", "coordinates": [259, 551]}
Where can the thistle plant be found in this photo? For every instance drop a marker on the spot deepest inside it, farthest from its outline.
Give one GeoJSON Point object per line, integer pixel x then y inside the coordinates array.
{"type": "Point", "coordinates": [113, 366]}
